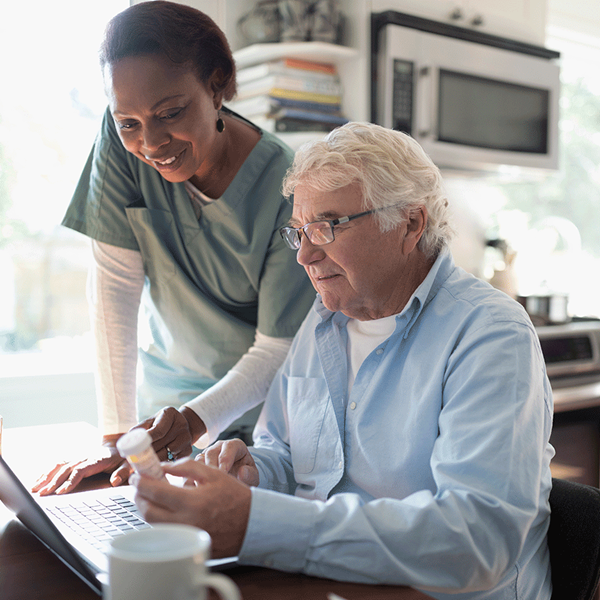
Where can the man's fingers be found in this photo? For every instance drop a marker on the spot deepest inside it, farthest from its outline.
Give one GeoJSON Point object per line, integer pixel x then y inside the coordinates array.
{"type": "Point", "coordinates": [248, 475]}
{"type": "Point", "coordinates": [224, 455]}
{"type": "Point", "coordinates": [189, 469]}
{"type": "Point", "coordinates": [161, 501]}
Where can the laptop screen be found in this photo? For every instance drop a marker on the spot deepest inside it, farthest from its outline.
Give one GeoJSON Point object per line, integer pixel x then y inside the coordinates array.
{"type": "Point", "coordinates": [17, 498]}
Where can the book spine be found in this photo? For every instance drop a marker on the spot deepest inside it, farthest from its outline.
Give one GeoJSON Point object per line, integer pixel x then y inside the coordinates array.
{"type": "Point", "coordinates": [249, 74]}
{"type": "Point", "coordinates": [306, 105]}
{"type": "Point", "coordinates": [308, 85]}
{"type": "Point", "coordinates": [309, 65]}
{"type": "Point", "coordinates": [306, 96]}
{"type": "Point", "coordinates": [298, 84]}
{"type": "Point", "coordinates": [309, 115]}
{"type": "Point", "coordinates": [268, 105]}
{"type": "Point", "coordinates": [293, 125]}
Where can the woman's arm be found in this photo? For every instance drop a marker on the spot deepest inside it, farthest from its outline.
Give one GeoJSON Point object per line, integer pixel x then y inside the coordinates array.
{"type": "Point", "coordinates": [115, 286]}
{"type": "Point", "coordinates": [244, 387]}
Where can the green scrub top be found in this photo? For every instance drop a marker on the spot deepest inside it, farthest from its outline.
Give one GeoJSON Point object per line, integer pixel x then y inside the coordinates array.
{"type": "Point", "coordinates": [209, 282]}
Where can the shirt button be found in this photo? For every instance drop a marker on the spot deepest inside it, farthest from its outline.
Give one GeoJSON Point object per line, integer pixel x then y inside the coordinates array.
{"type": "Point", "coordinates": [340, 465]}
{"type": "Point", "coordinates": [379, 351]}
{"type": "Point", "coordinates": [352, 405]}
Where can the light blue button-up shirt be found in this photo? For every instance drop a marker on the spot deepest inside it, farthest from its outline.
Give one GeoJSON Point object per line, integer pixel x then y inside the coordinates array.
{"type": "Point", "coordinates": [434, 471]}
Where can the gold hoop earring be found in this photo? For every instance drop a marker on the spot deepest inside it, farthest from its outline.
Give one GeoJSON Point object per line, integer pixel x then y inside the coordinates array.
{"type": "Point", "coordinates": [220, 125]}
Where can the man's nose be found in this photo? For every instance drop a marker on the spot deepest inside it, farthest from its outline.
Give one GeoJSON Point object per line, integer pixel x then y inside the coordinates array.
{"type": "Point", "coordinates": [308, 253]}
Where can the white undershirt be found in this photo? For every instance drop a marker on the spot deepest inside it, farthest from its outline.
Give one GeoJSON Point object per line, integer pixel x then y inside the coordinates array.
{"type": "Point", "coordinates": [363, 338]}
{"type": "Point", "coordinates": [115, 285]}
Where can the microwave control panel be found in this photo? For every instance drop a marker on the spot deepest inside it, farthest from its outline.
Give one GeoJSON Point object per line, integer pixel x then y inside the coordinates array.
{"type": "Point", "coordinates": [402, 97]}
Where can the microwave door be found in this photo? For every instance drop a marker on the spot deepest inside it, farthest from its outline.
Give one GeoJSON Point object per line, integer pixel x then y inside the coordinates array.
{"type": "Point", "coordinates": [425, 114]}
{"type": "Point", "coordinates": [489, 113]}
{"type": "Point", "coordinates": [479, 119]}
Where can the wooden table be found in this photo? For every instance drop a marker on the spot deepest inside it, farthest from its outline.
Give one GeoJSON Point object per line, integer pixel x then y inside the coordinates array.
{"type": "Point", "coordinates": [29, 571]}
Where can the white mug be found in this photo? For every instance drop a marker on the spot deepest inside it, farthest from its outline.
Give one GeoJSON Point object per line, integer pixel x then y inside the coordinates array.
{"type": "Point", "coordinates": [164, 561]}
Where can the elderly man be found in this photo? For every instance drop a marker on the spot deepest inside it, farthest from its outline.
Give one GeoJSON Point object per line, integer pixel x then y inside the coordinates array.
{"type": "Point", "coordinates": [405, 438]}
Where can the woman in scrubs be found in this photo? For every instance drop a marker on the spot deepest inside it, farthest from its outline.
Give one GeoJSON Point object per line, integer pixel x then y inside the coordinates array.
{"type": "Point", "coordinates": [182, 201]}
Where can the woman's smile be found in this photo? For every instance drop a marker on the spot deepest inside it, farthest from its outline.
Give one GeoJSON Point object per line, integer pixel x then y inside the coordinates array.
{"type": "Point", "coordinates": [169, 165]}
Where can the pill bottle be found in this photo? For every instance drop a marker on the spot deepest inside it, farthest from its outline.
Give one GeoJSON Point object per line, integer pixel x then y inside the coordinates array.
{"type": "Point", "coordinates": [136, 447]}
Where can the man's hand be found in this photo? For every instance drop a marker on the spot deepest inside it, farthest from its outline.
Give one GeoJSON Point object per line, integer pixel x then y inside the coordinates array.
{"type": "Point", "coordinates": [65, 476]}
{"type": "Point", "coordinates": [233, 457]}
{"type": "Point", "coordinates": [174, 431]}
{"type": "Point", "coordinates": [217, 502]}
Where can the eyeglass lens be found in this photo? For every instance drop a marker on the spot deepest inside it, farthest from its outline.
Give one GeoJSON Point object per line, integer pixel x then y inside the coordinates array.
{"type": "Point", "coordinates": [318, 233]}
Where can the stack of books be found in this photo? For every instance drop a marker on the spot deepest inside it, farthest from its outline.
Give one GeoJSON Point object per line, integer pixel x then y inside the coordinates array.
{"type": "Point", "coordinates": [289, 95]}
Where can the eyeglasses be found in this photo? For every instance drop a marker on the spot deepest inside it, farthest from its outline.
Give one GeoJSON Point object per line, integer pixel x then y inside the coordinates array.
{"type": "Point", "coordinates": [319, 233]}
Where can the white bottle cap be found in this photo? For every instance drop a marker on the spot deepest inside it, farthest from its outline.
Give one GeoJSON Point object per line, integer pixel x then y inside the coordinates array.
{"type": "Point", "coordinates": [133, 442]}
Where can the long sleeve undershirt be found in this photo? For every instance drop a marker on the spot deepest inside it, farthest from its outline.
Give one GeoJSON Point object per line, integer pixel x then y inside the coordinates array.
{"type": "Point", "coordinates": [115, 286]}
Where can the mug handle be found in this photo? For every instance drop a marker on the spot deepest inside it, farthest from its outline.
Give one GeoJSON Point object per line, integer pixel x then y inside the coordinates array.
{"type": "Point", "coordinates": [223, 586]}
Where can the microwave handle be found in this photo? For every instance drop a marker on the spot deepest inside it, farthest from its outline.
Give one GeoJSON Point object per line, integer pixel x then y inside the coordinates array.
{"type": "Point", "coordinates": [425, 117]}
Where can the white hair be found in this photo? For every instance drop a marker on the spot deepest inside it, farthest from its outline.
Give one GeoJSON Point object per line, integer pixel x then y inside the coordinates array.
{"type": "Point", "coordinates": [392, 170]}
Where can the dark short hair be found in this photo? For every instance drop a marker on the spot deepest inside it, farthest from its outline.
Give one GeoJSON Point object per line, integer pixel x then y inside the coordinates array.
{"type": "Point", "coordinates": [183, 34]}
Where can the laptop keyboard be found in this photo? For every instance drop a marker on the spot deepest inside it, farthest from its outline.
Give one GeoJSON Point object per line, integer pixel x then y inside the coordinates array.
{"type": "Point", "coordinates": [99, 521]}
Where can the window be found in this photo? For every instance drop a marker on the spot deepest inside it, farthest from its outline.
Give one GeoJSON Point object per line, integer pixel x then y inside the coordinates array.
{"type": "Point", "coordinates": [50, 110]}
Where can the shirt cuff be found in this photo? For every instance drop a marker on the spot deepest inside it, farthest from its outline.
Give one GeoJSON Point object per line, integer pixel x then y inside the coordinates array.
{"type": "Point", "coordinates": [270, 529]}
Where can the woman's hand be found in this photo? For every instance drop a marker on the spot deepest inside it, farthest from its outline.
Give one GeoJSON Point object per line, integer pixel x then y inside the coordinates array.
{"type": "Point", "coordinates": [65, 476]}
{"type": "Point", "coordinates": [233, 457]}
{"type": "Point", "coordinates": [174, 431]}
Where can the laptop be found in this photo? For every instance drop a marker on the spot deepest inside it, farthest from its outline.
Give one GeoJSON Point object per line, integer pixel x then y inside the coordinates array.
{"type": "Point", "coordinates": [78, 526]}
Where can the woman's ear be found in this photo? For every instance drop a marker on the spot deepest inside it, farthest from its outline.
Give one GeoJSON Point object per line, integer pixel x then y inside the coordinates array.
{"type": "Point", "coordinates": [415, 226]}
{"type": "Point", "coordinates": [215, 84]}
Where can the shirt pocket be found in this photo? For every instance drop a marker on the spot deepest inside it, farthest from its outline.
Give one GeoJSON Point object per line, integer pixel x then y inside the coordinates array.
{"type": "Point", "coordinates": [308, 399]}
{"type": "Point", "coordinates": [158, 240]}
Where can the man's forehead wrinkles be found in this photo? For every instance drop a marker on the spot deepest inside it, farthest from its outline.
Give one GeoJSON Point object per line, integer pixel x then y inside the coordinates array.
{"type": "Point", "coordinates": [321, 216]}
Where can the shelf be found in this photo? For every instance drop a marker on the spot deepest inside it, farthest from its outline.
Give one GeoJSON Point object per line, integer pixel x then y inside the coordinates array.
{"type": "Point", "coordinates": [320, 51]}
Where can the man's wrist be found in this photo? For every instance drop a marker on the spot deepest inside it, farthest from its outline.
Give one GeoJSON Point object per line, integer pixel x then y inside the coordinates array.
{"type": "Point", "coordinates": [195, 423]}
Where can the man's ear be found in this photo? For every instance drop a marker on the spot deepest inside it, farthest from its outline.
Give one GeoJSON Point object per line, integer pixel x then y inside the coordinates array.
{"type": "Point", "coordinates": [415, 226]}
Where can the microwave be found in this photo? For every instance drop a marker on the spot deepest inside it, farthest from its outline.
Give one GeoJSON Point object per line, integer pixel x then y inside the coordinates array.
{"type": "Point", "coordinates": [474, 101]}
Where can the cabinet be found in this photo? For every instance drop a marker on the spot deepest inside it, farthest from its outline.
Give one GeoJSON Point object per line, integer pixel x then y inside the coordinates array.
{"type": "Point", "coordinates": [523, 20]}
